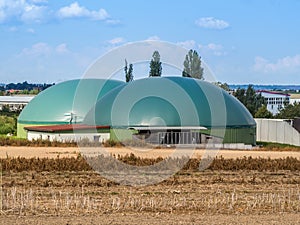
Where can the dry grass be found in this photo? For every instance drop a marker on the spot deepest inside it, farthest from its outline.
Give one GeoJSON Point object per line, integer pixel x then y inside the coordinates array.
{"type": "Point", "coordinates": [68, 187]}
{"type": "Point", "coordinates": [265, 146]}
{"type": "Point", "coordinates": [206, 193]}
{"type": "Point", "coordinates": [12, 141]}
{"type": "Point", "coordinates": [20, 164]}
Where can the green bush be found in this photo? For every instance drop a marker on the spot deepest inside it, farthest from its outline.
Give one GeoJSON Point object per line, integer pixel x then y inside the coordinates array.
{"type": "Point", "coordinates": [8, 125]}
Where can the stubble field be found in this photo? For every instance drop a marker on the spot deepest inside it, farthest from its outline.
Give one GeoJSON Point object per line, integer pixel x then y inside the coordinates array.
{"type": "Point", "coordinates": [252, 189]}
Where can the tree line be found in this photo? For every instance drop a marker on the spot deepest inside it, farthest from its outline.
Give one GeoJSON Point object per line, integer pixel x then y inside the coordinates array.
{"type": "Point", "coordinates": [23, 88]}
{"type": "Point", "coordinates": [257, 105]}
{"type": "Point", "coordinates": [192, 66]}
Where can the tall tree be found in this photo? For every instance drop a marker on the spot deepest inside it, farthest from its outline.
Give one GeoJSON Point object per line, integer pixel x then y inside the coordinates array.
{"type": "Point", "coordinates": [263, 112]}
{"type": "Point", "coordinates": [128, 71]}
{"type": "Point", "coordinates": [250, 99]}
{"type": "Point", "coordinates": [155, 65]}
{"type": "Point", "coordinates": [224, 86]}
{"type": "Point", "coordinates": [192, 65]}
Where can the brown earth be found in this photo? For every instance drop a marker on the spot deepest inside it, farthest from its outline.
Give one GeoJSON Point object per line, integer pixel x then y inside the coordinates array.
{"type": "Point", "coordinates": [155, 218]}
{"type": "Point", "coordinates": [53, 152]}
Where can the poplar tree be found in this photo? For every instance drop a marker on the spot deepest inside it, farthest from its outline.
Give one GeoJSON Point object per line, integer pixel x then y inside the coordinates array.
{"type": "Point", "coordinates": [155, 65]}
{"type": "Point", "coordinates": [192, 65]}
{"type": "Point", "coordinates": [128, 71]}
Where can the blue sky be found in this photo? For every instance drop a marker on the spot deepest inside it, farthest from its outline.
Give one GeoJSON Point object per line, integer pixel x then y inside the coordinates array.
{"type": "Point", "coordinates": [242, 41]}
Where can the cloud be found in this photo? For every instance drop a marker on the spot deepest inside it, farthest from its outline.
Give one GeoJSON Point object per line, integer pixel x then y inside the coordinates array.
{"type": "Point", "coordinates": [153, 38]}
{"type": "Point", "coordinates": [39, 1]}
{"type": "Point", "coordinates": [37, 49]}
{"type": "Point", "coordinates": [37, 11]}
{"type": "Point", "coordinates": [30, 30]}
{"type": "Point", "coordinates": [189, 44]}
{"type": "Point", "coordinates": [74, 10]}
{"type": "Point", "coordinates": [44, 49]}
{"type": "Point", "coordinates": [113, 22]}
{"type": "Point", "coordinates": [288, 63]}
{"type": "Point", "coordinates": [213, 48]}
{"type": "Point", "coordinates": [33, 13]}
{"type": "Point", "coordinates": [22, 10]}
{"type": "Point", "coordinates": [62, 48]}
{"type": "Point", "coordinates": [116, 41]}
{"type": "Point", "coordinates": [52, 62]}
{"type": "Point", "coordinates": [212, 23]}
{"type": "Point", "coordinates": [13, 29]}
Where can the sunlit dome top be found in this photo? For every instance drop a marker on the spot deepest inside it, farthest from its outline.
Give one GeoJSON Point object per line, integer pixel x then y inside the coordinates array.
{"type": "Point", "coordinates": [65, 101]}
{"type": "Point", "coordinates": [169, 101]}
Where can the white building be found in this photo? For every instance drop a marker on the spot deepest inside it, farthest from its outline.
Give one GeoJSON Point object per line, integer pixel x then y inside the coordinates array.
{"type": "Point", "coordinates": [68, 133]}
{"type": "Point", "coordinates": [275, 100]}
{"type": "Point", "coordinates": [295, 98]}
{"type": "Point", "coordinates": [16, 102]}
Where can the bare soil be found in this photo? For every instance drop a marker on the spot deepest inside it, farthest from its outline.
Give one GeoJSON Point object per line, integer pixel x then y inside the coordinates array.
{"type": "Point", "coordinates": [53, 152]}
{"type": "Point", "coordinates": [155, 218]}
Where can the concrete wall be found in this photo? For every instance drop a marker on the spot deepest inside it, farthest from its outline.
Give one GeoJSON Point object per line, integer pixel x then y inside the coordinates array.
{"type": "Point", "coordinates": [277, 131]}
{"type": "Point", "coordinates": [65, 137]}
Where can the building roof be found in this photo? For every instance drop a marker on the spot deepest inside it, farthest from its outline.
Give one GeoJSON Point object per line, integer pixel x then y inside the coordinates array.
{"type": "Point", "coordinates": [273, 93]}
{"type": "Point", "coordinates": [16, 99]}
{"type": "Point", "coordinates": [169, 101]}
{"type": "Point", "coordinates": [295, 96]}
{"type": "Point", "coordinates": [66, 102]}
{"type": "Point", "coordinates": [167, 128]}
{"type": "Point", "coordinates": [66, 127]}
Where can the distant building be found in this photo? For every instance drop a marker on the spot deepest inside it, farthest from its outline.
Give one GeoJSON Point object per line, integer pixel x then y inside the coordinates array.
{"type": "Point", "coordinates": [14, 103]}
{"type": "Point", "coordinates": [275, 100]}
{"type": "Point", "coordinates": [66, 133]}
{"type": "Point", "coordinates": [295, 98]}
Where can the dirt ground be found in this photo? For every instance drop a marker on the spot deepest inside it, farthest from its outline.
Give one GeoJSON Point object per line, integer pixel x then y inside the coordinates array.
{"type": "Point", "coordinates": [53, 152]}
{"type": "Point", "coordinates": [156, 218]}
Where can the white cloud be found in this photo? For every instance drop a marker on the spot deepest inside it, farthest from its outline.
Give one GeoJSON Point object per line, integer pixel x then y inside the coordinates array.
{"type": "Point", "coordinates": [153, 38]}
{"type": "Point", "coordinates": [189, 44]}
{"type": "Point", "coordinates": [37, 11]}
{"type": "Point", "coordinates": [74, 10]}
{"type": "Point", "coordinates": [113, 22]}
{"type": "Point", "coordinates": [31, 30]}
{"type": "Point", "coordinates": [116, 41]}
{"type": "Point", "coordinates": [212, 23]}
{"type": "Point", "coordinates": [62, 48]}
{"type": "Point", "coordinates": [213, 48]}
{"type": "Point", "coordinates": [33, 13]}
{"type": "Point", "coordinates": [37, 49]}
{"type": "Point", "coordinates": [44, 49]}
{"type": "Point", "coordinates": [52, 61]}
{"type": "Point", "coordinates": [22, 10]}
{"type": "Point", "coordinates": [13, 29]}
{"type": "Point", "coordinates": [39, 1]}
{"type": "Point", "coordinates": [288, 63]}
{"type": "Point", "coordinates": [2, 15]}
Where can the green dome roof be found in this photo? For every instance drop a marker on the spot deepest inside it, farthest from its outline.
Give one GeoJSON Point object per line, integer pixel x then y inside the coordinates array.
{"type": "Point", "coordinates": [56, 104]}
{"type": "Point", "coordinates": [169, 101]}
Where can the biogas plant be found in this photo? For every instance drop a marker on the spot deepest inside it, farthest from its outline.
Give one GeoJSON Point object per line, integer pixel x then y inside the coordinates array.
{"type": "Point", "coordinates": [155, 110]}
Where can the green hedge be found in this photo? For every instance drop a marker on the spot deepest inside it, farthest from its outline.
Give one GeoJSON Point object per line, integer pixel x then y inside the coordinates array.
{"type": "Point", "coordinates": [8, 125]}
